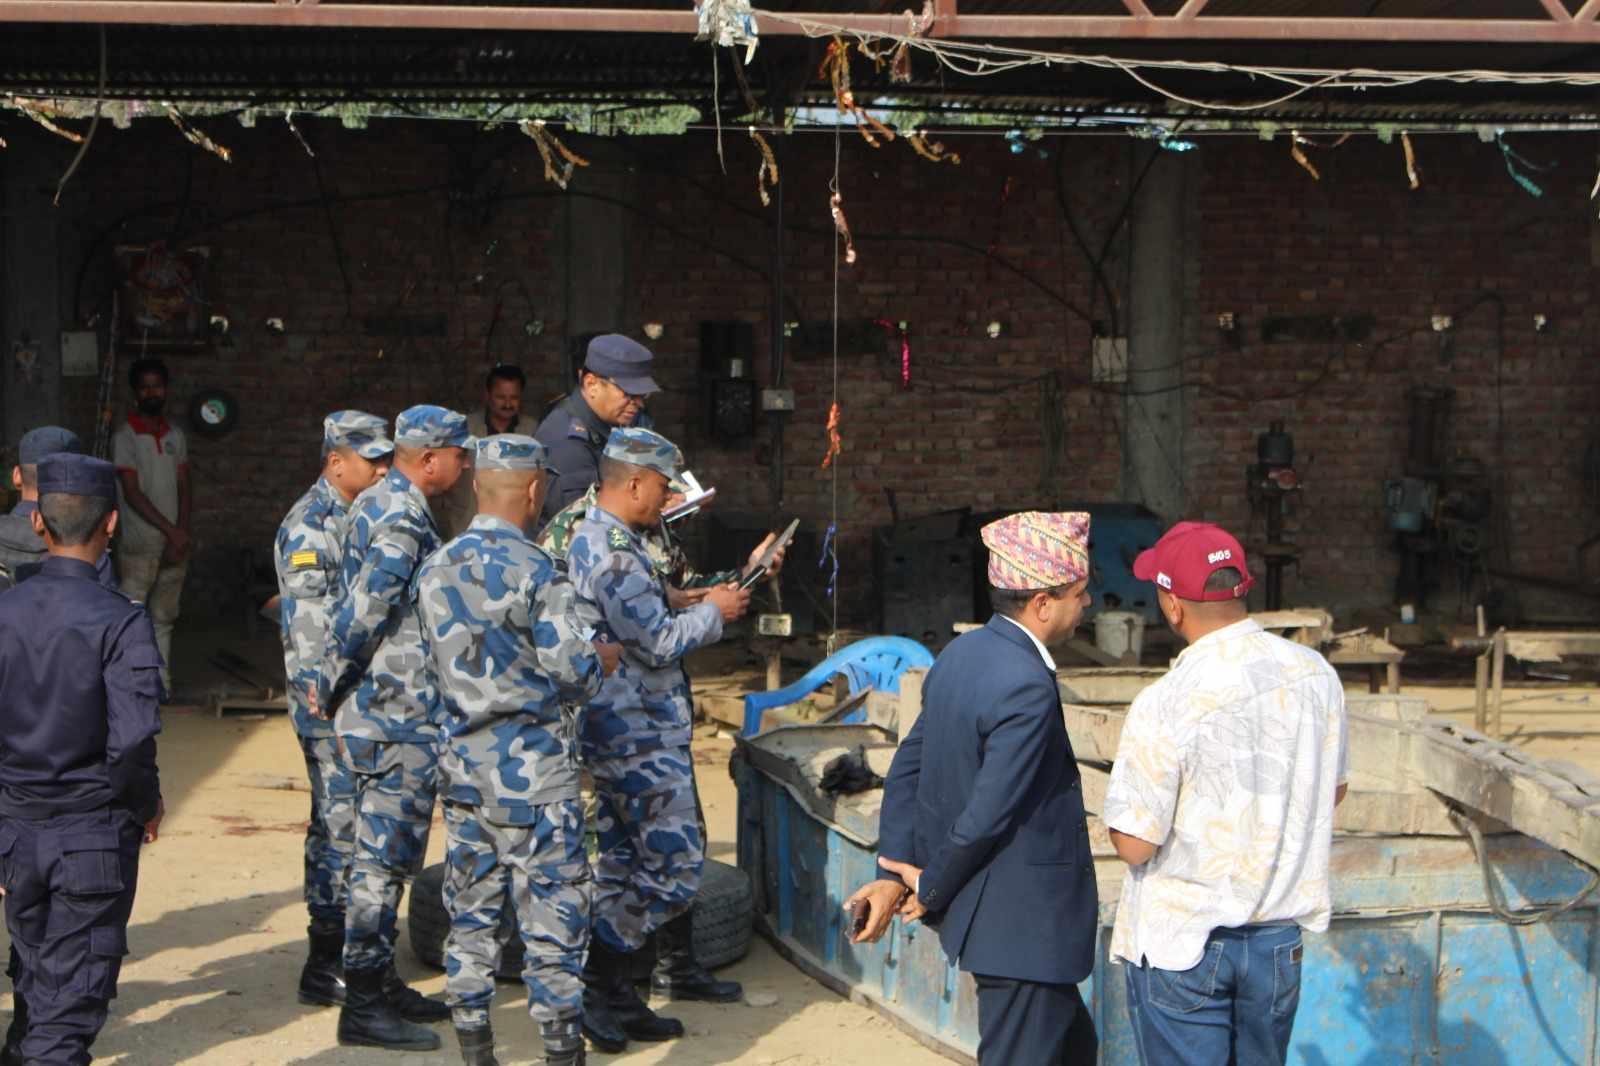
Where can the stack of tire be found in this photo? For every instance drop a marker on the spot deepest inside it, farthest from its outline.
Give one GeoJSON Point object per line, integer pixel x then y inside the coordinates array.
{"type": "Point", "coordinates": [723, 913]}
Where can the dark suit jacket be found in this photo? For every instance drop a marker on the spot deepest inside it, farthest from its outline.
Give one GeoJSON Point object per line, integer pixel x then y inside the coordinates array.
{"type": "Point", "coordinates": [984, 795]}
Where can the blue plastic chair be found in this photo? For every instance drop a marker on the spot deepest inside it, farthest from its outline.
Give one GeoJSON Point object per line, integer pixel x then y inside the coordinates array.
{"type": "Point", "coordinates": [874, 663]}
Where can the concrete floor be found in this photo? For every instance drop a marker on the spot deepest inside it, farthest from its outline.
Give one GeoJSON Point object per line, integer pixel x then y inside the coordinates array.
{"type": "Point", "coordinates": [217, 937]}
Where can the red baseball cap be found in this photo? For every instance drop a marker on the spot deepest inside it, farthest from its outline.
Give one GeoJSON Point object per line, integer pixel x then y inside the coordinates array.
{"type": "Point", "coordinates": [1187, 555]}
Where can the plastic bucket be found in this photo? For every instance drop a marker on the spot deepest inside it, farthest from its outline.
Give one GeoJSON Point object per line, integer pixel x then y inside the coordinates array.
{"type": "Point", "coordinates": [1120, 633]}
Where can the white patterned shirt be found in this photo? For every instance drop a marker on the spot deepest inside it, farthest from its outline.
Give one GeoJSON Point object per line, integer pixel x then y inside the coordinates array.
{"type": "Point", "coordinates": [1229, 764]}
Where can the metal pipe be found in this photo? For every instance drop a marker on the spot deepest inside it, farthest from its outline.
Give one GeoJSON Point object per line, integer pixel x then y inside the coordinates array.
{"type": "Point", "coordinates": [1573, 31]}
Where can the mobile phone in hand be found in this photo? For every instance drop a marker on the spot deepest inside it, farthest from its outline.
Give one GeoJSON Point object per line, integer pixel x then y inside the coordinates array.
{"type": "Point", "coordinates": [859, 912]}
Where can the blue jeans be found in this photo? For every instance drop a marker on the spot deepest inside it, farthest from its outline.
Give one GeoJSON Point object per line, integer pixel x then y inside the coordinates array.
{"type": "Point", "coordinates": [1235, 1008]}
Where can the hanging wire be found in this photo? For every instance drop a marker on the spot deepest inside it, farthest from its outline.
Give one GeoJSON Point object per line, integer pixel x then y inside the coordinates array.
{"type": "Point", "coordinates": [831, 540]}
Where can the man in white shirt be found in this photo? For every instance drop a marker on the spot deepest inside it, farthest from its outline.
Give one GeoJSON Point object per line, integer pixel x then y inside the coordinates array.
{"type": "Point", "coordinates": [1221, 802]}
{"type": "Point", "coordinates": [152, 459]}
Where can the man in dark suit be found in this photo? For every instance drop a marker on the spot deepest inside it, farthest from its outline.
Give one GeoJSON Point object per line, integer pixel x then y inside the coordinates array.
{"type": "Point", "coordinates": [983, 823]}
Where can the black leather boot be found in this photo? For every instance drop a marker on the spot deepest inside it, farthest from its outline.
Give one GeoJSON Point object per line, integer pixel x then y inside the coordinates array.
{"type": "Point", "coordinates": [599, 1023]}
{"type": "Point", "coordinates": [368, 1019]}
{"type": "Point", "coordinates": [412, 1005]}
{"type": "Point", "coordinates": [322, 977]}
{"type": "Point", "coordinates": [634, 1014]}
{"type": "Point", "coordinates": [678, 975]}
{"type": "Point", "coordinates": [477, 1046]}
{"type": "Point", "coordinates": [563, 1041]}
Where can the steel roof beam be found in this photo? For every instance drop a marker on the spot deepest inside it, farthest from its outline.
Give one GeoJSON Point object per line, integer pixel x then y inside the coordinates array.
{"type": "Point", "coordinates": [1188, 24]}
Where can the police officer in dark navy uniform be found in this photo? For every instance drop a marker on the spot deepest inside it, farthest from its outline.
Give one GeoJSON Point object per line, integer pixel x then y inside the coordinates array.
{"type": "Point", "coordinates": [21, 549]}
{"type": "Point", "coordinates": [80, 685]}
{"type": "Point", "coordinates": [612, 388]}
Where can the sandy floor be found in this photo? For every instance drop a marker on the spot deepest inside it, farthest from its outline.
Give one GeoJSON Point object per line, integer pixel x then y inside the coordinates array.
{"type": "Point", "coordinates": [217, 937]}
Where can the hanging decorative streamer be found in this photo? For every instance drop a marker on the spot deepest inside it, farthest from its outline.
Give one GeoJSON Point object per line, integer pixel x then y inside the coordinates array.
{"type": "Point", "coordinates": [1295, 140]}
{"type": "Point", "coordinates": [39, 117]}
{"type": "Point", "coordinates": [999, 209]}
{"type": "Point", "coordinates": [729, 23]}
{"type": "Point", "coordinates": [835, 444]}
{"type": "Point", "coordinates": [288, 117]}
{"type": "Point", "coordinates": [899, 60]}
{"type": "Point", "coordinates": [1412, 173]}
{"type": "Point", "coordinates": [768, 174]}
{"type": "Point", "coordinates": [195, 137]}
{"type": "Point", "coordinates": [836, 69]}
{"type": "Point", "coordinates": [932, 151]}
{"type": "Point", "coordinates": [903, 330]}
{"type": "Point", "coordinates": [836, 208]}
{"type": "Point", "coordinates": [1512, 158]}
{"type": "Point", "coordinates": [830, 552]}
{"type": "Point", "coordinates": [549, 147]}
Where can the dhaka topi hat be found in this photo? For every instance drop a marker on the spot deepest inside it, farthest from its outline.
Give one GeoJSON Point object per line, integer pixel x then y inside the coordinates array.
{"type": "Point", "coordinates": [366, 435]}
{"type": "Point", "coordinates": [427, 426]}
{"type": "Point", "coordinates": [1037, 549]}
{"type": "Point", "coordinates": [511, 451]}
{"type": "Point", "coordinates": [46, 440]}
{"type": "Point", "coordinates": [649, 449]}
{"type": "Point", "coordinates": [77, 475]}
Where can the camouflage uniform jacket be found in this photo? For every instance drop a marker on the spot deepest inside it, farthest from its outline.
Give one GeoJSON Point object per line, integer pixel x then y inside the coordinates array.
{"type": "Point", "coordinates": [307, 555]}
{"type": "Point", "coordinates": [644, 704]}
{"type": "Point", "coordinates": [667, 558]}
{"type": "Point", "coordinates": [506, 654]}
{"type": "Point", "coordinates": [374, 671]}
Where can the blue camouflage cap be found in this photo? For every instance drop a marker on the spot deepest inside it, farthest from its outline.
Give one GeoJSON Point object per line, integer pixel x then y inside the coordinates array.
{"type": "Point", "coordinates": [624, 361]}
{"type": "Point", "coordinates": [77, 475]}
{"type": "Point", "coordinates": [511, 451]}
{"type": "Point", "coordinates": [427, 426]}
{"type": "Point", "coordinates": [46, 440]}
{"type": "Point", "coordinates": [649, 449]}
{"type": "Point", "coordinates": [366, 435]}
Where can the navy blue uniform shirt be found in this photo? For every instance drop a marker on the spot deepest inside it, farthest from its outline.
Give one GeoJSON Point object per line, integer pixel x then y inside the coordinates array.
{"type": "Point", "coordinates": [574, 436]}
{"type": "Point", "coordinates": [80, 686]}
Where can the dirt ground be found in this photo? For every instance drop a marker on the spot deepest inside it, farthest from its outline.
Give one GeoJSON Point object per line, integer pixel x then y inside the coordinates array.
{"type": "Point", "coordinates": [217, 937]}
{"type": "Point", "coordinates": [218, 930]}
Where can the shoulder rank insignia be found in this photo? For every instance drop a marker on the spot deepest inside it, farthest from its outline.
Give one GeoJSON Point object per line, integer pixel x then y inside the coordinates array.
{"type": "Point", "coordinates": [578, 429]}
{"type": "Point", "coordinates": [617, 538]}
{"type": "Point", "coordinates": [301, 560]}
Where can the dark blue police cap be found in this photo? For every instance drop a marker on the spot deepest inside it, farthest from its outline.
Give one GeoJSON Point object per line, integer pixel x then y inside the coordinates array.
{"type": "Point", "coordinates": [46, 440]}
{"type": "Point", "coordinates": [77, 475]}
{"type": "Point", "coordinates": [624, 361]}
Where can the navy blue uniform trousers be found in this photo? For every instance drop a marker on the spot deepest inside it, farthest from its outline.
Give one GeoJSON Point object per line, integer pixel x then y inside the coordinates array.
{"type": "Point", "coordinates": [69, 884]}
{"type": "Point", "coordinates": [1027, 1023]}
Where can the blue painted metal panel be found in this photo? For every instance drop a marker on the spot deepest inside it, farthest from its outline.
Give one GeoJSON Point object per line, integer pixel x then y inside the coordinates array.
{"type": "Point", "coordinates": [1411, 973]}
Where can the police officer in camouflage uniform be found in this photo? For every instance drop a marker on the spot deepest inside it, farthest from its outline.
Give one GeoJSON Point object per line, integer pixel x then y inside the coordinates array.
{"type": "Point", "coordinates": [612, 389]}
{"type": "Point", "coordinates": [636, 732]}
{"type": "Point", "coordinates": [375, 680]}
{"type": "Point", "coordinates": [507, 655]}
{"type": "Point", "coordinates": [307, 555]}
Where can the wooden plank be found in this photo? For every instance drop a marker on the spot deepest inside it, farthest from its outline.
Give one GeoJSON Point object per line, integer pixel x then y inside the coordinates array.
{"type": "Point", "coordinates": [1395, 813]}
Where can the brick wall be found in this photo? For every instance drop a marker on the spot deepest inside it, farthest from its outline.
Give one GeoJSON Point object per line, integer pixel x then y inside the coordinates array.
{"type": "Point", "coordinates": [1274, 242]}
{"type": "Point", "coordinates": [480, 241]}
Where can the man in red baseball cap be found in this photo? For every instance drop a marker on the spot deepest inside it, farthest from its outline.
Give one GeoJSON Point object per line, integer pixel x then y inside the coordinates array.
{"type": "Point", "coordinates": [1221, 803]}
{"type": "Point", "coordinates": [1187, 557]}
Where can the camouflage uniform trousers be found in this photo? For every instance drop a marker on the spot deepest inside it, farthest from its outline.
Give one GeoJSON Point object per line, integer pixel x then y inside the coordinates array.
{"type": "Point", "coordinates": [651, 845]}
{"type": "Point", "coordinates": [331, 831]}
{"type": "Point", "coordinates": [540, 872]}
{"type": "Point", "coordinates": [395, 786]}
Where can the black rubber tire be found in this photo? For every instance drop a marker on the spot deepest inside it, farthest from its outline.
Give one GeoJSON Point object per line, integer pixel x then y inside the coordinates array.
{"type": "Point", "coordinates": [723, 915]}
